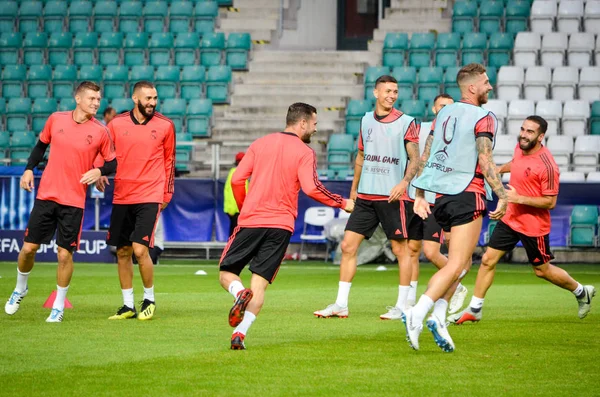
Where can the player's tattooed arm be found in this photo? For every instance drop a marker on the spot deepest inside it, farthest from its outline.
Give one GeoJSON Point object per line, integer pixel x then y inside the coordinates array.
{"type": "Point", "coordinates": [412, 149]}
{"type": "Point", "coordinates": [488, 167]}
{"type": "Point", "coordinates": [425, 155]}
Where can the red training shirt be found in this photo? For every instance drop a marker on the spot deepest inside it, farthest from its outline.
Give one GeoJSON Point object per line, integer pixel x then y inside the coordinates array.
{"type": "Point", "coordinates": [278, 165]}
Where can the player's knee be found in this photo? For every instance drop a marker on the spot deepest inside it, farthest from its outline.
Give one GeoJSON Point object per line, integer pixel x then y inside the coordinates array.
{"type": "Point", "coordinates": [64, 256]}
{"type": "Point", "coordinates": [540, 271]}
{"type": "Point", "coordinates": [348, 248]}
{"type": "Point", "coordinates": [29, 249]}
{"type": "Point", "coordinates": [399, 251]}
{"type": "Point", "coordinates": [140, 252]}
{"type": "Point", "coordinates": [124, 253]}
{"type": "Point", "coordinates": [430, 252]}
{"type": "Point", "coordinates": [488, 261]}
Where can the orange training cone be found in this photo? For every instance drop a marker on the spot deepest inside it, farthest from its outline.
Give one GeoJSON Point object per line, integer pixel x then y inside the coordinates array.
{"type": "Point", "coordinates": [50, 301]}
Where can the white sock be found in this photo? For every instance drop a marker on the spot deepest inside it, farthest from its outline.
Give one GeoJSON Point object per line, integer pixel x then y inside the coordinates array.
{"type": "Point", "coordinates": [402, 295]}
{"type": "Point", "coordinates": [149, 293]}
{"type": "Point", "coordinates": [61, 295]}
{"type": "Point", "coordinates": [235, 288]}
{"type": "Point", "coordinates": [21, 281]}
{"type": "Point", "coordinates": [421, 309]}
{"type": "Point", "coordinates": [246, 323]}
{"type": "Point", "coordinates": [439, 309]}
{"type": "Point", "coordinates": [577, 291]}
{"type": "Point", "coordinates": [412, 292]}
{"type": "Point", "coordinates": [459, 287]}
{"type": "Point", "coordinates": [343, 293]}
{"type": "Point", "coordinates": [476, 303]}
{"type": "Point", "coordinates": [128, 297]}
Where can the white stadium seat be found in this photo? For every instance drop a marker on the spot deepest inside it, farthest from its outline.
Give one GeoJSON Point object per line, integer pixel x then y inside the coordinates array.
{"type": "Point", "coordinates": [581, 47]}
{"type": "Point", "coordinates": [510, 81]}
{"type": "Point", "coordinates": [504, 148]}
{"type": "Point", "coordinates": [518, 111]}
{"type": "Point", "coordinates": [551, 111]}
{"type": "Point", "coordinates": [527, 45]}
{"type": "Point", "coordinates": [597, 51]}
{"type": "Point", "coordinates": [554, 46]}
{"type": "Point", "coordinates": [591, 17]}
{"type": "Point", "coordinates": [589, 83]}
{"type": "Point", "coordinates": [542, 17]}
{"type": "Point", "coordinates": [573, 176]}
{"type": "Point", "coordinates": [564, 82]}
{"type": "Point", "coordinates": [575, 116]}
{"type": "Point", "coordinates": [569, 16]}
{"type": "Point", "coordinates": [505, 177]}
{"type": "Point", "coordinates": [537, 82]}
{"type": "Point", "coordinates": [561, 148]}
{"type": "Point", "coordinates": [500, 109]}
{"type": "Point", "coordinates": [586, 151]}
{"type": "Point", "coordinates": [593, 177]}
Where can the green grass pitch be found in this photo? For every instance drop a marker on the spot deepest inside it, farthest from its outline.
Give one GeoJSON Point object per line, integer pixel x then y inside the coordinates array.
{"type": "Point", "coordinates": [530, 341]}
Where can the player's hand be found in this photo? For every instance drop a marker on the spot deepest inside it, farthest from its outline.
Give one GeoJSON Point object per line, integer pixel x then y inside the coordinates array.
{"type": "Point", "coordinates": [500, 210]}
{"type": "Point", "coordinates": [91, 176]}
{"type": "Point", "coordinates": [512, 195]}
{"type": "Point", "coordinates": [27, 180]}
{"type": "Point", "coordinates": [163, 206]}
{"type": "Point", "coordinates": [101, 183]}
{"type": "Point", "coordinates": [397, 191]}
{"type": "Point", "coordinates": [349, 205]}
{"type": "Point", "coordinates": [421, 207]}
{"type": "Point", "coordinates": [353, 194]}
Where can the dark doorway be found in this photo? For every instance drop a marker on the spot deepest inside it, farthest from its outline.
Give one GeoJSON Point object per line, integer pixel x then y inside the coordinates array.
{"type": "Point", "coordinates": [356, 21]}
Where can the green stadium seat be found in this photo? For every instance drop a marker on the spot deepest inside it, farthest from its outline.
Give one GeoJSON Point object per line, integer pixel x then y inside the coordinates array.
{"type": "Point", "coordinates": [142, 72]}
{"type": "Point", "coordinates": [463, 16]}
{"type": "Point", "coordinates": [193, 79]}
{"type": "Point", "coordinates": [80, 15]}
{"type": "Point", "coordinates": [183, 151]}
{"type": "Point", "coordinates": [236, 53]}
{"type": "Point", "coordinates": [59, 48]}
{"type": "Point", "coordinates": [430, 79]}
{"type": "Point", "coordinates": [34, 48]}
{"type": "Point", "coordinates": [67, 104]}
{"type": "Point", "coordinates": [473, 48]}
{"type": "Point", "coordinates": [154, 16]}
{"type": "Point", "coordinates": [130, 15]}
{"type": "Point", "coordinates": [180, 17]}
{"type": "Point", "coordinates": [13, 77]}
{"type": "Point", "coordinates": [4, 145]}
{"type": "Point", "coordinates": [395, 47]}
{"type": "Point", "coordinates": [354, 113]}
{"type": "Point", "coordinates": [492, 73]}
{"type": "Point", "coordinates": [42, 109]}
{"type": "Point", "coordinates": [595, 118]}
{"type": "Point", "coordinates": [198, 117]}
{"type": "Point", "coordinates": [91, 73]}
{"type": "Point", "coordinates": [450, 85]}
{"type": "Point", "coordinates": [135, 49]}
{"type": "Point", "coordinates": [159, 49]}
{"type": "Point", "coordinates": [225, 3]}
{"type": "Point", "coordinates": [54, 16]}
{"type": "Point", "coordinates": [583, 225]}
{"type": "Point", "coordinates": [63, 81]}
{"type": "Point", "coordinates": [211, 46]}
{"type": "Point", "coordinates": [17, 114]}
{"type": "Point", "coordinates": [415, 108]}
{"type": "Point", "coordinates": [406, 77]}
{"type": "Point", "coordinates": [500, 49]}
{"type": "Point", "coordinates": [115, 81]}
{"type": "Point", "coordinates": [10, 44]}
{"type": "Point", "coordinates": [21, 143]}
{"type": "Point", "coordinates": [167, 80]}
{"type": "Point", "coordinates": [104, 16]}
{"type": "Point", "coordinates": [10, 10]}
{"type": "Point", "coordinates": [421, 45]}
{"type": "Point", "coordinates": [217, 83]}
{"type": "Point", "coordinates": [186, 48]}
{"type": "Point", "coordinates": [2, 107]}
{"type": "Point", "coordinates": [174, 108]}
{"type": "Point", "coordinates": [345, 174]}
{"type": "Point", "coordinates": [103, 105]}
{"type": "Point", "coordinates": [205, 14]}
{"type": "Point", "coordinates": [29, 16]}
{"type": "Point", "coordinates": [490, 16]}
{"type": "Point", "coordinates": [38, 81]}
{"type": "Point", "coordinates": [109, 48]}
{"type": "Point", "coordinates": [517, 16]}
{"type": "Point", "coordinates": [446, 52]}
{"type": "Point", "coordinates": [339, 151]}
{"type": "Point", "coordinates": [122, 104]}
{"type": "Point", "coordinates": [371, 75]}
{"type": "Point", "coordinates": [84, 48]}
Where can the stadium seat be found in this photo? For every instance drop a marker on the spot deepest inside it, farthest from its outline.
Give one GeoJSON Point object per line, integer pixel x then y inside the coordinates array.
{"type": "Point", "coordinates": [591, 17]}
{"type": "Point", "coordinates": [421, 45]}
{"type": "Point", "coordinates": [59, 48]}
{"type": "Point", "coordinates": [115, 81]}
{"type": "Point", "coordinates": [186, 48]}
{"type": "Point", "coordinates": [490, 16]}
{"type": "Point", "coordinates": [406, 77]}
{"type": "Point", "coordinates": [67, 104]}
{"type": "Point", "coordinates": [4, 145]}
{"type": "Point", "coordinates": [592, 177]}
{"type": "Point", "coordinates": [10, 10]}
{"type": "Point", "coordinates": [517, 16]}
{"type": "Point", "coordinates": [583, 225]}
{"type": "Point", "coordinates": [569, 15]}
{"type": "Point", "coordinates": [192, 82]}
{"type": "Point", "coordinates": [564, 83]}
{"type": "Point", "coordinates": [105, 13]}
{"type": "Point", "coordinates": [371, 75]}
{"type": "Point", "coordinates": [504, 148]}
{"type": "Point", "coordinates": [21, 143]}
{"type": "Point", "coordinates": [395, 47]}
{"type": "Point", "coordinates": [238, 48]}
{"type": "Point", "coordinates": [154, 16]}
{"type": "Point", "coordinates": [450, 85]}
{"type": "Point", "coordinates": [42, 108]}
{"type": "Point", "coordinates": [12, 81]}
{"type": "Point", "coordinates": [63, 81]}
{"type": "Point", "coordinates": [159, 49]}
{"type": "Point", "coordinates": [198, 117]}
{"type": "Point", "coordinates": [500, 110]}
{"type": "Point", "coordinates": [543, 13]}
{"type": "Point", "coordinates": [415, 108]}
{"type": "Point", "coordinates": [84, 48]}
{"type": "Point", "coordinates": [54, 16]}
{"type": "Point", "coordinates": [17, 114]}
{"type": "Point", "coordinates": [183, 152]}
{"type": "Point", "coordinates": [473, 48]}
{"type": "Point", "coordinates": [339, 151]}
{"type": "Point", "coordinates": [109, 48]}
{"type": "Point", "coordinates": [180, 16]}
{"type": "Point", "coordinates": [430, 79]}
{"type": "Point", "coordinates": [211, 46]}
{"type": "Point", "coordinates": [217, 83]}
{"type": "Point", "coordinates": [500, 49]}
{"type": "Point", "coordinates": [30, 13]}
{"type": "Point", "coordinates": [561, 148]}
{"type": "Point", "coordinates": [446, 52]}
{"type": "Point", "coordinates": [205, 14]}
{"type": "Point", "coordinates": [355, 111]}
{"type": "Point", "coordinates": [10, 44]}
{"type": "Point", "coordinates": [518, 110]}
{"type": "Point", "coordinates": [167, 80]}
{"type": "Point", "coordinates": [527, 45]}
{"type": "Point", "coordinates": [134, 53]}
{"type": "Point", "coordinates": [551, 111]}
{"type": "Point", "coordinates": [80, 15]}
{"type": "Point", "coordinates": [315, 218]}
{"type": "Point", "coordinates": [553, 48]}
{"type": "Point", "coordinates": [142, 72]}
{"type": "Point", "coordinates": [581, 47]}
{"type": "Point", "coordinates": [510, 80]}
{"type": "Point", "coordinates": [572, 177]}
{"type": "Point", "coordinates": [586, 151]}
{"type": "Point", "coordinates": [38, 80]}
{"type": "Point", "coordinates": [174, 108]}
{"type": "Point", "coordinates": [537, 82]}
{"type": "Point", "coordinates": [91, 73]}
{"type": "Point", "coordinates": [130, 15]}
{"type": "Point", "coordinates": [34, 48]}
{"type": "Point", "coordinates": [575, 116]}
{"type": "Point", "coordinates": [595, 118]}
{"type": "Point", "coordinates": [463, 16]}
{"type": "Point", "coordinates": [122, 104]}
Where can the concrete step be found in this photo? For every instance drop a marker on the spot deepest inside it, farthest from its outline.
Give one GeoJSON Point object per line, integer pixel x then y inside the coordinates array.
{"type": "Point", "coordinates": [255, 34]}
{"type": "Point", "coordinates": [249, 24]}
{"type": "Point", "coordinates": [415, 26]}
{"type": "Point", "coordinates": [301, 90]}
{"type": "Point", "coordinates": [249, 13]}
{"type": "Point", "coordinates": [306, 67]}
{"type": "Point", "coordinates": [313, 99]}
{"type": "Point", "coordinates": [297, 78]}
{"type": "Point", "coordinates": [313, 56]}
{"type": "Point", "coordinates": [245, 112]}
{"type": "Point", "coordinates": [408, 4]}
{"type": "Point", "coordinates": [271, 124]}
{"type": "Point", "coordinates": [404, 13]}
{"type": "Point", "coordinates": [257, 4]}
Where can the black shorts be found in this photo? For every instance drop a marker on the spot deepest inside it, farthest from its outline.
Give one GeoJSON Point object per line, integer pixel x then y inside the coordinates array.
{"type": "Point", "coordinates": [419, 229]}
{"type": "Point", "coordinates": [47, 217]}
{"type": "Point", "coordinates": [133, 223]}
{"type": "Point", "coordinates": [368, 214]}
{"type": "Point", "coordinates": [505, 239]}
{"type": "Point", "coordinates": [459, 209]}
{"type": "Point", "coordinates": [432, 231]}
{"type": "Point", "coordinates": [265, 247]}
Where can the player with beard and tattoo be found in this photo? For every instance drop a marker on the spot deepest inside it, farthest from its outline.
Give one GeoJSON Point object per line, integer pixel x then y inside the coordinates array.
{"type": "Point", "coordinates": [144, 184]}
{"type": "Point", "coordinates": [278, 166]}
{"type": "Point", "coordinates": [532, 193]}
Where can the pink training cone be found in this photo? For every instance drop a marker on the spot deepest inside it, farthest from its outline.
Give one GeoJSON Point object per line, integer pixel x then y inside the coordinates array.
{"type": "Point", "coordinates": [50, 301]}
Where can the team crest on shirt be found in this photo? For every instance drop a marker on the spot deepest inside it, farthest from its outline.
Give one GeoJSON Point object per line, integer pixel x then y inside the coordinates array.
{"type": "Point", "coordinates": [126, 133]}
{"type": "Point", "coordinates": [88, 139]}
{"type": "Point", "coordinates": [61, 131]}
{"type": "Point", "coordinates": [369, 132]}
{"type": "Point", "coordinates": [527, 172]}
{"type": "Point", "coordinates": [153, 134]}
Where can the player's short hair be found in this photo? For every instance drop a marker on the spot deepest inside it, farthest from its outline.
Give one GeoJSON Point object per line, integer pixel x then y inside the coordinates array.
{"type": "Point", "coordinates": [142, 84]}
{"type": "Point", "coordinates": [87, 85]}
{"type": "Point", "coordinates": [299, 111]}
{"type": "Point", "coordinates": [385, 79]}
{"type": "Point", "coordinates": [469, 71]}
{"type": "Point", "coordinates": [539, 121]}
{"type": "Point", "coordinates": [444, 95]}
{"type": "Point", "coordinates": [108, 110]}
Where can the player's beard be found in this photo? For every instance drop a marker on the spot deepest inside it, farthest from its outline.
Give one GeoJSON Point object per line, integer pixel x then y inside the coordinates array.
{"type": "Point", "coordinates": [528, 145]}
{"type": "Point", "coordinates": [306, 137]}
{"type": "Point", "coordinates": [483, 98]}
{"type": "Point", "coordinates": [143, 110]}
